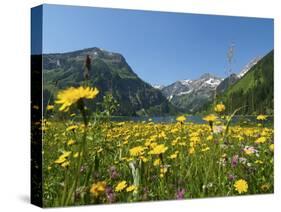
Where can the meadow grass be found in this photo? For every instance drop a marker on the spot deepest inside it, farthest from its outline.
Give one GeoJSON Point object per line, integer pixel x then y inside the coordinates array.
{"type": "Point", "coordinates": [107, 162]}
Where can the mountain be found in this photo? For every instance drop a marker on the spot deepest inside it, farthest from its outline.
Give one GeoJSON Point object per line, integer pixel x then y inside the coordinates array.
{"type": "Point", "coordinates": [230, 80]}
{"type": "Point", "coordinates": [109, 73]}
{"type": "Point", "coordinates": [225, 83]}
{"type": "Point", "coordinates": [159, 87]}
{"type": "Point", "coordinates": [176, 88]}
{"type": "Point", "coordinates": [254, 91]}
{"type": "Point", "coordinates": [247, 67]}
{"type": "Point", "coordinates": [191, 95]}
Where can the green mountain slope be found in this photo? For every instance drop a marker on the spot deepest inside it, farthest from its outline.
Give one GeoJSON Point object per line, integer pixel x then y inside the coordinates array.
{"type": "Point", "coordinates": [254, 91]}
{"type": "Point", "coordinates": [109, 73]}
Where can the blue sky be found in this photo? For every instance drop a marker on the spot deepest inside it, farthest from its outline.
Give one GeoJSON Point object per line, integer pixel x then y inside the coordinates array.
{"type": "Point", "coordinates": [160, 47]}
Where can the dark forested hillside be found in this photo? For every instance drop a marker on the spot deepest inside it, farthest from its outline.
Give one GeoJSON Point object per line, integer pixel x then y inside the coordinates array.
{"type": "Point", "coordinates": [254, 90]}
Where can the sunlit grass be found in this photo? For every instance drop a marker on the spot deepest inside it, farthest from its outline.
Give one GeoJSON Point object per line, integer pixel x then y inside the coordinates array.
{"type": "Point", "coordinates": [140, 161]}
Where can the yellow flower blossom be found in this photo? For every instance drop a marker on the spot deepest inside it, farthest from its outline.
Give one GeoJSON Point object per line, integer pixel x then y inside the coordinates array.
{"type": "Point", "coordinates": [163, 171]}
{"type": "Point", "coordinates": [258, 162]}
{"type": "Point", "coordinates": [156, 162]}
{"type": "Point", "coordinates": [72, 127]}
{"type": "Point", "coordinates": [50, 107]}
{"type": "Point", "coordinates": [70, 142]}
{"type": "Point", "coordinates": [191, 150]}
{"type": "Point", "coordinates": [131, 188]}
{"type": "Point", "coordinates": [72, 95]}
{"type": "Point", "coordinates": [121, 186]}
{"type": "Point", "coordinates": [98, 188]}
{"type": "Point", "coordinates": [210, 118]}
{"type": "Point", "coordinates": [205, 149]}
{"type": "Point", "coordinates": [210, 137]}
{"type": "Point", "coordinates": [195, 139]}
{"type": "Point", "coordinates": [159, 149]}
{"type": "Point", "coordinates": [174, 130]}
{"type": "Point", "coordinates": [144, 159]}
{"type": "Point", "coordinates": [62, 158]}
{"type": "Point", "coordinates": [173, 156]}
{"type": "Point", "coordinates": [219, 108]}
{"type": "Point", "coordinates": [261, 117]}
{"type": "Point", "coordinates": [65, 164]}
{"type": "Point", "coordinates": [241, 186]}
{"type": "Point", "coordinates": [181, 119]}
{"type": "Point", "coordinates": [137, 151]}
{"type": "Point", "coordinates": [261, 140]}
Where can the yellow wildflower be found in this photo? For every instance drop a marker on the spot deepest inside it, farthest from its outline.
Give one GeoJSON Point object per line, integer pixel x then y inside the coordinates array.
{"type": "Point", "coordinates": [261, 117]}
{"type": "Point", "coordinates": [181, 119]}
{"type": "Point", "coordinates": [205, 149]}
{"type": "Point", "coordinates": [50, 107]}
{"type": "Point", "coordinates": [191, 150]}
{"type": "Point", "coordinates": [258, 162]}
{"type": "Point", "coordinates": [144, 159]}
{"type": "Point", "coordinates": [159, 149]}
{"type": "Point", "coordinates": [260, 140]}
{"type": "Point", "coordinates": [174, 130]}
{"type": "Point", "coordinates": [163, 171]}
{"type": "Point", "coordinates": [156, 162]}
{"type": "Point", "coordinates": [65, 164]}
{"type": "Point", "coordinates": [60, 160]}
{"type": "Point", "coordinates": [72, 95]}
{"type": "Point", "coordinates": [249, 150]}
{"type": "Point", "coordinates": [131, 188]}
{"type": "Point", "coordinates": [210, 118]}
{"type": "Point", "coordinates": [63, 157]}
{"type": "Point", "coordinates": [72, 127]}
{"type": "Point", "coordinates": [98, 188]}
{"type": "Point", "coordinates": [66, 154]}
{"type": "Point", "coordinates": [173, 156]}
{"type": "Point", "coordinates": [241, 186]}
{"type": "Point", "coordinates": [219, 108]}
{"type": "Point", "coordinates": [210, 137]}
{"type": "Point", "coordinates": [70, 142]}
{"type": "Point", "coordinates": [137, 151]}
{"type": "Point", "coordinates": [121, 186]}
{"type": "Point", "coordinates": [195, 139]}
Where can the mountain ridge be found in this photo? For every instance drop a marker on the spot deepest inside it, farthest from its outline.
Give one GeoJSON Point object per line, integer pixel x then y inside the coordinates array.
{"type": "Point", "coordinates": [190, 95]}
{"type": "Point", "coordinates": [109, 72]}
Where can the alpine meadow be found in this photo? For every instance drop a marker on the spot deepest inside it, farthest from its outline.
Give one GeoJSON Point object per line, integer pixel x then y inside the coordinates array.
{"type": "Point", "coordinates": [114, 133]}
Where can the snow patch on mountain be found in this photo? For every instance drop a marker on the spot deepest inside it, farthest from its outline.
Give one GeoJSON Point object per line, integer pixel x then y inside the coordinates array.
{"type": "Point", "coordinates": [248, 66]}
{"type": "Point", "coordinates": [184, 92]}
{"type": "Point", "coordinates": [159, 87]}
{"type": "Point", "coordinates": [185, 82]}
{"type": "Point", "coordinates": [213, 82]}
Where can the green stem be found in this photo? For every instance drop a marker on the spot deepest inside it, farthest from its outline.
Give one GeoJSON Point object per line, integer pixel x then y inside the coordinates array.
{"type": "Point", "coordinates": [81, 153]}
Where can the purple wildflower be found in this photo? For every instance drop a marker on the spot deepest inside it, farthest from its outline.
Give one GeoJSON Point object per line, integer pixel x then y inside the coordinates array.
{"type": "Point", "coordinates": [180, 193]}
{"type": "Point", "coordinates": [234, 160]}
{"type": "Point", "coordinates": [110, 195]}
{"type": "Point", "coordinates": [230, 177]}
{"type": "Point", "coordinates": [113, 172]}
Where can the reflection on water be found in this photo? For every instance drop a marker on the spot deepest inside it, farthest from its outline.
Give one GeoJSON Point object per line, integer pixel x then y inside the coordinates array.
{"type": "Point", "coordinates": [190, 119]}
